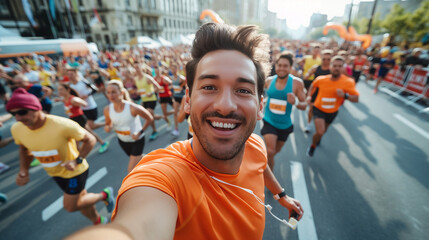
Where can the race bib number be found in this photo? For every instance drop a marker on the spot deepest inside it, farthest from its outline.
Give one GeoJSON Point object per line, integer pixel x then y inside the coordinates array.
{"type": "Point", "coordinates": [162, 90]}
{"type": "Point", "coordinates": [177, 88]}
{"type": "Point", "coordinates": [328, 103]}
{"type": "Point", "coordinates": [142, 92]}
{"type": "Point", "coordinates": [50, 158]}
{"type": "Point", "coordinates": [358, 68]}
{"type": "Point", "coordinates": [126, 132]}
{"type": "Point", "coordinates": [278, 106]}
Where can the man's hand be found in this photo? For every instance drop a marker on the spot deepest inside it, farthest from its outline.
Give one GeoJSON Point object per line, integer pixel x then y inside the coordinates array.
{"type": "Point", "coordinates": [70, 165]}
{"type": "Point", "coordinates": [135, 136]}
{"type": "Point", "coordinates": [22, 178]}
{"type": "Point", "coordinates": [292, 205]}
{"type": "Point", "coordinates": [340, 93]}
{"type": "Point", "coordinates": [291, 98]}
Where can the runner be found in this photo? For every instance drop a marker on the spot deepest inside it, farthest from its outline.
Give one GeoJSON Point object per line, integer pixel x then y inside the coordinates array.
{"type": "Point", "coordinates": [97, 74]}
{"type": "Point", "coordinates": [212, 186]}
{"type": "Point", "coordinates": [319, 70]}
{"type": "Point", "coordinates": [281, 91]}
{"type": "Point", "coordinates": [52, 140]}
{"type": "Point", "coordinates": [385, 65]}
{"type": "Point", "coordinates": [128, 79]}
{"type": "Point", "coordinates": [179, 87]}
{"type": "Point", "coordinates": [310, 61]}
{"type": "Point", "coordinates": [90, 110]}
{"type": "Point", "coordinates": [122, 115]}
{"type": "Point", "coordinates": [359, 63]}
{"type": "Point", "coordinates": [147, 86]}
{"type": "Point", "coordinates": [329, 92]}
{"type": "Point", "coordinates": [164, 93]}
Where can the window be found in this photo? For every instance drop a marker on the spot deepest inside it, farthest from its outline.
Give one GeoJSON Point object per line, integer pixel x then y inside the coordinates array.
{"type": "Point", "coordinates": [100, 3]}
{"type": "Point", "coordinates": [130, 20]}
{"type": "Point", "coordinates": [153, 4]}
{"type": "Point", "coordinates": [127, 3]}
{"type": "Point", "coordinates": [104, 22]}
{"type": "Point", "coordinates": [140, 3]}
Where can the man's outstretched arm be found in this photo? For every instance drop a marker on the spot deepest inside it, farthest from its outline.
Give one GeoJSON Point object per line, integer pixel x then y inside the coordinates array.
{"type": "Point", "coordinates": [142, 213]}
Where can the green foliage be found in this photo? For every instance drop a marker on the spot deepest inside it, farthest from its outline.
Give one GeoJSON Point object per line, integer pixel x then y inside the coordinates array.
{"type": "Point", "coordinates": [418, 21]}
{"type": "Point", "coordinates": [410, 27]}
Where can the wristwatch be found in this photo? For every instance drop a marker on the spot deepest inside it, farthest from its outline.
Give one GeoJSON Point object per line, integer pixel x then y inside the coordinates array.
{"type": "Point", "coordinates": [79, 160]}
{"type": "Point", "coordinates": [280, 195]}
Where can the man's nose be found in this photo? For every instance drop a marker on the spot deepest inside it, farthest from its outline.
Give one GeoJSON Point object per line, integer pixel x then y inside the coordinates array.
{"type": "Point", "coordinates": [225, 102]}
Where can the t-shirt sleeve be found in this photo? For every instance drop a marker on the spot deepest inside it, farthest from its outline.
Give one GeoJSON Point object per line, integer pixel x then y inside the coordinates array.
{"type": "Point", "coordinates": [351, 88]}
{"type": "Point", "coordinates": [156, 175]}
{"type": "Point", "coordinates": [73, 130]}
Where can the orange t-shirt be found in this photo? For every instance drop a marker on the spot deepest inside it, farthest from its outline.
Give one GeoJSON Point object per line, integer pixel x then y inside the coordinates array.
{"type": "Point", "coordinates": [327, 100]}
{"type": "Point", "coordinates": [207, 208]}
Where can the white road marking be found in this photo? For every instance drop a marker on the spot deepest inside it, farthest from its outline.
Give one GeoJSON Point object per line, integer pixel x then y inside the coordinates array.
{"type": "Point", "coordinates": [306, 228]}
{"type": "Point", "coordinates": [56, 206]}
{"type": "Point", "coordinates": [412, 125]}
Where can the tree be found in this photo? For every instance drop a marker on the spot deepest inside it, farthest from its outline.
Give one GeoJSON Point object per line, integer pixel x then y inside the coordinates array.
{"type": "Point", "coordinates": [419, 22]}
{"type": "Point", "coordinates": [396, 23]}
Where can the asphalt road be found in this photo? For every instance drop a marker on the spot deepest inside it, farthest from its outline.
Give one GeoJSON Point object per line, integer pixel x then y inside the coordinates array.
{"type": "Point", "coordinates": [369, 179]}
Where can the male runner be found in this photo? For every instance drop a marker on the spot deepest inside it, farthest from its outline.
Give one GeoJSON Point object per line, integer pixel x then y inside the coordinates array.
{"type": "Point", "coordinates": [52, 140]}
{"type": "Point", "coordinates": [330, 92]}
{"type": "Point", "coordinates": [211, 186]}
{"type": "Point", "coordinates": [282, 89]}
{"type": "Point", "coordinates": [318, 70]}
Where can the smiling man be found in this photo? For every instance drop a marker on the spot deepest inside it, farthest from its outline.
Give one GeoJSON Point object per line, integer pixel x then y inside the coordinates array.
{"type": "Point", "coordinates": [211, 186]}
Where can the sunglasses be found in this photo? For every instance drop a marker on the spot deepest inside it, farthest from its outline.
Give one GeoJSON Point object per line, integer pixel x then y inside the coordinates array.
{"type": "Point", "coordinates": [21, 112]}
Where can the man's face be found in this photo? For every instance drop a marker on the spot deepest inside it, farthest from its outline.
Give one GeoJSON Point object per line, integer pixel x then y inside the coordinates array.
{"type": "Point", "coordinates": [72, 75]}
{"type": "Point", "coordinates": [283, 68]}
{"type": "Point", "coordinates": [224, 105]}
{"type": "Point", "coordinates": [326, 59]}
{"type": "Point", "coordinates": [27, 117]}
{"type": "Point", "coordinates": [316, 50]}
{"type": "Point", "coordinates": [336, 67]}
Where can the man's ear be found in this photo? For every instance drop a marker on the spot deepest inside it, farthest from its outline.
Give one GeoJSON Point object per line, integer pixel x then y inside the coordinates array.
{"type": "Point", "coordinates": [261, 108]}
{"type": "Point", "coordinates": [187, 105]}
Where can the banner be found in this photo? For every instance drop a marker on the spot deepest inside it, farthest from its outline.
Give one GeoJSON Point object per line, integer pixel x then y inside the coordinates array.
{"type": "Point", "coordinates": [29, 13]}
{"type": "Point", "coordinates": [52, 7]}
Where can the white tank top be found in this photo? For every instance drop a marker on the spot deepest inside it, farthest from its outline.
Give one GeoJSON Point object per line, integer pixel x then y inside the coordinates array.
{"type": "Point", "coordinates": [124, 123]}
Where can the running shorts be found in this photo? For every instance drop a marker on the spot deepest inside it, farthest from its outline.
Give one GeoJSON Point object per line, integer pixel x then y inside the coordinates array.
{"type": "Point", "coordinates": [328, 117]}
{"type": "Point", "coordinates": [150, 104]}
{"type": "Point", "coordinates": [133, 148]}
{"type": "Point", "coordinates": [168, 100]}
{"type": "Point", "coordinates": [282, 134]}
{"type": "Point", "coordinates": [73, 185]}
{"type": "Point", "coordinates": [91, 114]}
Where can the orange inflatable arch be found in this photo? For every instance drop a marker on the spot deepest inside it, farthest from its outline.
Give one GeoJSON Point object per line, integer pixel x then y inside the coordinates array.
{"type": "Point", "coordinates": [350, 35]}
{"type": "Point", "coordinates": [213, 16]}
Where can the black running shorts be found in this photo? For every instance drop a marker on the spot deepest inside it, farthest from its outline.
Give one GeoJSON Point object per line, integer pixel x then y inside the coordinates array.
{"type": "Point", "coordinates": [73, 185]}
{"type": "Point", "coordinates": [282, 134]}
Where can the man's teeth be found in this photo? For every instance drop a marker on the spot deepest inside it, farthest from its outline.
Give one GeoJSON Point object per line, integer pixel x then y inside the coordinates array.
{"type": "Point", "coordinates": [223, 125]}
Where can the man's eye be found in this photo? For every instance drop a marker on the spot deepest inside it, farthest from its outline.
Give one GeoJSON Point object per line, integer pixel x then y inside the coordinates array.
{"type": "Point", "coordinates": [245, 91]}
{"type": "Point", "coordinates": [209, 88]}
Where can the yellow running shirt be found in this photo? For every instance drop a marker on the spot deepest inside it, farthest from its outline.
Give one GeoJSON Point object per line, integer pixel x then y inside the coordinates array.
{"type": "Point", "coordinates": [52, 144]}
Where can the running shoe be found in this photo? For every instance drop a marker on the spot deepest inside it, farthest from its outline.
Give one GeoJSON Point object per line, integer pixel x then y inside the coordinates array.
{"type": "Point", "coordinates": [102, 220]}
{"type": "Point", "coordinates": [3, 198]}
{"type": "Point", "coordinates": [104, 147]}
{"type": "Point", "coordinates": [3, 167]}
{"type": "Point", "coordinates": [175, 133]}
{"type": "Point", "coordinates": [310, 151]}
{"type": "Point", "coordinates": [34, 163]}
{"type": "Point", "coordinates": [110, 199]}
{"type": "Point", "coordinates": [168, 126]}
{"type": "Point", "coordinates": [307, 128]}
{"type": "Point", "coordinates": [153, 136]}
